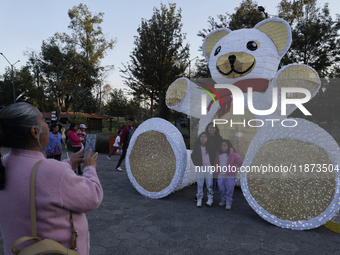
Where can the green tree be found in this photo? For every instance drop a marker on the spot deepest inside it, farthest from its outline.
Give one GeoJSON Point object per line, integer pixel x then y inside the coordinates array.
{"type": "Point", "coordinates": [295, 11]}
{"type": "Point", "coordinates": [22, 85]}
{"type": "Point", "coordinates": [87, 39]}
{"type": "Point", "coordinates": [315, 39]}
{"type": "Point", "coordinates": [159, 56]}
{"type": "Point", "coordinates": [137, 109]}
{"type": "Point", "coordinates": [117, 104]}
{"type": "Point", "coordinates": [68, 69]}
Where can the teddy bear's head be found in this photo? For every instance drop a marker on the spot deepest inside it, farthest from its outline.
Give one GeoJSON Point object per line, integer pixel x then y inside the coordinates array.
{"type": "Point", "coordinates": [247, 53]}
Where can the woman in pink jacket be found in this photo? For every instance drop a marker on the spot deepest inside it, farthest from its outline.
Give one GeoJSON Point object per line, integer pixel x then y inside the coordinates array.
{"type": "Point", "coordinates": [58, 189]}
{"type": "Point", "coordinates": [76, 141]}
{"type": "Point", "coordinates": [225, 162]}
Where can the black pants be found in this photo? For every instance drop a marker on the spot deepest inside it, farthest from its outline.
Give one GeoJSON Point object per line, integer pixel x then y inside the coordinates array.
{"type": "Point", "coordinates": [76, 149]}
{"type": "Point", "coordinates": [113, 151]}
{"type": "Point", "coordinates": [57, 157]}
{"type": "Point", "coordinates": [125, 146]}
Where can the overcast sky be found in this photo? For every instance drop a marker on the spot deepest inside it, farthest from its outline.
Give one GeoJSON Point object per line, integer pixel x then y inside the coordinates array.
{"type": "Point", "coordinates": [25, 24]}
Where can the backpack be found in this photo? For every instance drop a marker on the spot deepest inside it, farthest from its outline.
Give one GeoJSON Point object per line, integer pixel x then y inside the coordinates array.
{"type": "Point", "coordinates": [45, 246]}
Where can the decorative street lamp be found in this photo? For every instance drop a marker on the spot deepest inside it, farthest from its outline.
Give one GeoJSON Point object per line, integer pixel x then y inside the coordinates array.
{"type": "Point", "coordinates": [12, 65]}
{"type": "Point", "coordinates": [188, 117]}
{"type": "Point", "coordinates": [261, 9]}
{"type": "Point", "coordinates": [190, 64]}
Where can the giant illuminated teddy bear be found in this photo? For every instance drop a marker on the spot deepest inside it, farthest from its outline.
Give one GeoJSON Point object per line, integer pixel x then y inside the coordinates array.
{"type": "Point", "coordinates": [279, 152]}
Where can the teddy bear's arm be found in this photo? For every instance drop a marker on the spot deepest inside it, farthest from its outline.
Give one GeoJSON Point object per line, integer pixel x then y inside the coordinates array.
{"type": "Point", "coordinates": [294, 76]}
{"type": "Point", "coordinates": [184, 96]}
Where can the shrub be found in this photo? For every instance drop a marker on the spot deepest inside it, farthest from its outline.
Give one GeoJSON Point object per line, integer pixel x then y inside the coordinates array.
{"type": "Point", "coordinates": [103, 144]}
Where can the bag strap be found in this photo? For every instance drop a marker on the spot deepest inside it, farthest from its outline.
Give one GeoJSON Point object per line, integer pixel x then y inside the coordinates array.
{"type": "Point", "coordinates": [32, 199]}
{"type": "Point", "coordinates": [15, 250]}
{"type": "Point", "coordinates": [34, 215]}
{"type": "Point", "coordinates": [74, 235]}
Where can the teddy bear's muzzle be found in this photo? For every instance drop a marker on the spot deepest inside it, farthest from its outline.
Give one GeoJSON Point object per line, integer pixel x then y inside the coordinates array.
{"type": "Point", "coordinates": [235, 64]}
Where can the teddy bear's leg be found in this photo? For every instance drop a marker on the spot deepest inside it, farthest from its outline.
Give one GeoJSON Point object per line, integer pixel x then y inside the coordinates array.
{"type": "Point", "coordinates": [293, 76]}
{"type": "Point", "coordinates": [290, 175]}
{"type": "Point", "coordinates": [157, 161]}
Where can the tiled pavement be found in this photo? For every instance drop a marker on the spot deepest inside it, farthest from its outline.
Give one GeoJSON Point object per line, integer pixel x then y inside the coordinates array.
{"type": "Point", "coordinates": [129, 223]}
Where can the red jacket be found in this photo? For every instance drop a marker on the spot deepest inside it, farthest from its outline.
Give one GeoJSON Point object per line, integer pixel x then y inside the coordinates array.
{"type": "Point", "coordinates": [233, 160]}
{"type": "Point", "coordinates": [74, 138]}
{"type": "Point", "coordinates": [124, 134]}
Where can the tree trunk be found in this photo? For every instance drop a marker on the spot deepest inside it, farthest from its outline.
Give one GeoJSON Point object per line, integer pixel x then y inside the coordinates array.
{"type": "Point", "coordinates": [160, 103]}
{"type": "Point", "coordinates": [151, 107]}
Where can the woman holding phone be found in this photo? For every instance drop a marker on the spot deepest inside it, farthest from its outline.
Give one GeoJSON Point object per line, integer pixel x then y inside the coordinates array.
{"type": "Point", "coordinates": [58, 189]}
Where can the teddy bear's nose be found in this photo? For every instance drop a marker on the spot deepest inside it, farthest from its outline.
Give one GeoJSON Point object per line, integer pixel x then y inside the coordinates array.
{"type": "Point", "coordinates": [232, 59]}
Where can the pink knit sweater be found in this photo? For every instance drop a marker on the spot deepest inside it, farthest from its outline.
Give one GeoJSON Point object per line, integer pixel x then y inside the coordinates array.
{"type": "Point", "coordinates": [58, 190]}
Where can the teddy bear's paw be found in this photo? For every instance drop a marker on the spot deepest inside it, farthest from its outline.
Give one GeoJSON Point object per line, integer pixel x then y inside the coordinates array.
{"type": "Point", "coordinates": [298, 76]}
{"type": "Point", "coordinates": [289, 175]}
{"type": "Point", "coordinates": [291, 77]}
{"type": "Point", "coordinates": [177, 92]}
{"type": "Point", "coordinates": [184, 96]}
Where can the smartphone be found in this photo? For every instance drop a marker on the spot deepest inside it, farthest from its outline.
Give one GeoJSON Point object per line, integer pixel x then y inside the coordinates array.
{"type": "Point", "coordinates": [90, 143]}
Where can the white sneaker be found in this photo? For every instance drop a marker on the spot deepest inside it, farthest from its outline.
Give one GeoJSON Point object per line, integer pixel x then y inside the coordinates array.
{"type": "Point", "coordinates": [199, 202]}
{"type": "Point", "coordinates": [108, 158]}
{"type": "Point", "coordinates": [210, 202]}
{"type": "Point", "coordinates": [228, 206]}
{"type": "Point", "coordinates": [119, 169]}
{"type": "Point", "coordinates": [221, 203]}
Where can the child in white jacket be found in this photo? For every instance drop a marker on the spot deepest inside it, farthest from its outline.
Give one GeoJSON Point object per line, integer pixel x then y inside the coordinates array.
{"type": "Point", "coordinates": [115, 148]}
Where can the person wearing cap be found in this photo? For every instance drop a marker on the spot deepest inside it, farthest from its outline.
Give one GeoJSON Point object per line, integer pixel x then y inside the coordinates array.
{"type": "Point", "coordinates": [81, 131]}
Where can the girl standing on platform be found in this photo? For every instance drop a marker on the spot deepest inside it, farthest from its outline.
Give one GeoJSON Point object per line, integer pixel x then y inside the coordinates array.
{"type": "Point", "coordinates": [215, 139]}
{"type": "Point", "coordinates": [203, 158]}
{"type": "Point", "coordinates": [226, 160]}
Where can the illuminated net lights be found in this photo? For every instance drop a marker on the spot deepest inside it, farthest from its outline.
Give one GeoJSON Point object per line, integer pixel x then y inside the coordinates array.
{"type": "Point", "coordinates": [299, 199]}
{"type": "Point", "coordinates": [156, 158]}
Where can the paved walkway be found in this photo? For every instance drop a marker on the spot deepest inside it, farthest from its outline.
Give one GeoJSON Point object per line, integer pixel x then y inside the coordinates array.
{"type": "Point", "coordinates": [129, 223]}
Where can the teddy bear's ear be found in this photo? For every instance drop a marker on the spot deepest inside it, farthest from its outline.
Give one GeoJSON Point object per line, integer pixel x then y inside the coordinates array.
{"type": "Point", "coordinates": [211, 39]}
{"type": "Point", "coordinates": [279, 31]}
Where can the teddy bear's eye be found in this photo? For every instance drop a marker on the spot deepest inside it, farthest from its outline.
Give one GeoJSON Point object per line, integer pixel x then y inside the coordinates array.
{"type": "Point", "coordinates": [217, 50]}
{"type": "Point", "coordinates": [251, 45]}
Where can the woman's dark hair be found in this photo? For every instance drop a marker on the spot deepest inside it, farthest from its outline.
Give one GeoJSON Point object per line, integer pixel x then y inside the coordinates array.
{"type": "Point", "coordinates": [16, 121]}
{"type": "Point", "coordinates": [230, 146]}
{"type": "Point", "coordinates": [53, 126]}
{"type": "Point", "coordinates": [72, 125]}
{"type": "Point", "coordinates": [199, 137]}
{"type": "Point", "coordinates": [217, 132]}
{"type": "Point", "coordinates": [60, 127]}
{"type": "Point", "coordinates": [196, 155]}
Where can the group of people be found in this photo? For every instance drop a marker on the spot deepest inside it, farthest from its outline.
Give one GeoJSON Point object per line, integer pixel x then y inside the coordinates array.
{"type": "Point", "coordinates": [76, 136]}
{"type": "Point", "coordinates": [210, 149]}
{"type": "Point", "coordinates": [77, 139]}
